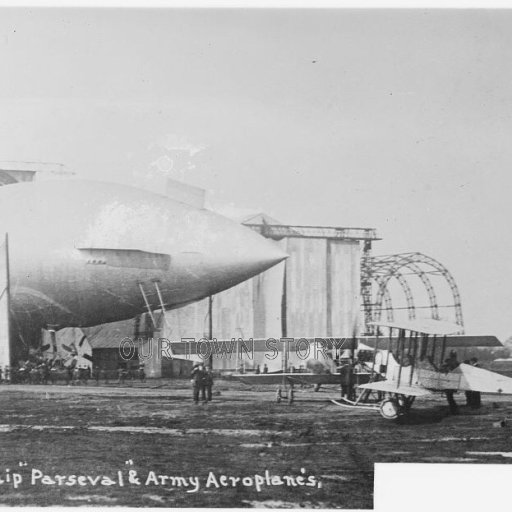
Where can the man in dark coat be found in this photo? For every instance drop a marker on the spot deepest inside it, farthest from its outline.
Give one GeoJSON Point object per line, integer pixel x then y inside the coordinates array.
{"type": "Point", "coordinates": [450, 364]}
{"type": "Point", "coordinates": [197, 376]}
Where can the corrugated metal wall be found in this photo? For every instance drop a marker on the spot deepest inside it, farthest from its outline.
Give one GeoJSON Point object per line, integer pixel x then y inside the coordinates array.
{"type": "Point", "coordinates": [306, 287]}
{"type": "Point", "coordinates": [267, 299]}
{"type": "Point", "coordinates": [344, 285]}
{"type": "Point", "coordinates": [323, 287]}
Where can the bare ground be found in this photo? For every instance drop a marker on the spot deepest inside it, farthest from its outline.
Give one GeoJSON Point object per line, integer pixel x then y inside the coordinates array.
{"type": "Point", "coordinates": [101, 430]}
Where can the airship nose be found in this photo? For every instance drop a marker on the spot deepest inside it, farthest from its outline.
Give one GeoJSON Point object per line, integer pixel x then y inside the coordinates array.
{"type": "Point", "coordinates": [246, 255]}
{"type": "Point", "coordinates": [251, 253]}
{"type": "Point", "coordinates": [227, 253]}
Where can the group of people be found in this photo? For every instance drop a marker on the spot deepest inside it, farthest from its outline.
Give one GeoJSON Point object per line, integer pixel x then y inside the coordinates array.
{"type": "Point", "coordinates": [31, 371]}
{"type": "Point", "coordinates": [5, 374]}
{"type": "Point", "coordinates": [123, 374]}
{"type": "Point", "coordinates": [51, 371]}
{"type": "Point", "coordinates": [202, 382]}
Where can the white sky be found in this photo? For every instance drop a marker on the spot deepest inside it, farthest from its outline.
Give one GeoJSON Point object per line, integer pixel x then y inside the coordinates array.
{"type": "Point", "coordinates": [393, 119]}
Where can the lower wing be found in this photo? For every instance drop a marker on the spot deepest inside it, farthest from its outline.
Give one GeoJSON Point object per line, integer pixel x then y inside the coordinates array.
{"type": "Point", "coordinates": [389, 386]}
{"type": "Point", "coordinates": [290, 378]}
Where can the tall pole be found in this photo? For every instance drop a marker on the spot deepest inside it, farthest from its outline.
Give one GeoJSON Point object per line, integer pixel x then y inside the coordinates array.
{"type": "Point", "coordinates": [210, 328]}
{"type": "Point", "coordinates": [8, 298]}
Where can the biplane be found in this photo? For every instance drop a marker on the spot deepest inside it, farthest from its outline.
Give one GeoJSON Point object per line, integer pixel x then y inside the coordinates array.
{"type": "Point", "coordinates": [317, 373]}
{"type": "Point", "coordinates": [286, 381]}
{"type": "Point", "coordinates": [414, 363]}
{"type": "Point", "coordinates": [388, 373]}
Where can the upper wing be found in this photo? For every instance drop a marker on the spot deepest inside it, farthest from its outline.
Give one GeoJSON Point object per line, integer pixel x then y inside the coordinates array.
{"type": "Point", "coordinates": [485, 381]}
{"type": "Point", "coordinates": [291, 378]}
{"type": "Point", "coordinates": [423, 325]}
{"type": "Point", "coordinates": [391, 387]}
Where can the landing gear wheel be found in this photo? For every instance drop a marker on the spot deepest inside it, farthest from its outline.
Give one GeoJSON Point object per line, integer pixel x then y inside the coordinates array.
{"type": "Point", "coordinates": [290, 396]}
{"type": "Point", "coordinates": [389, 409]}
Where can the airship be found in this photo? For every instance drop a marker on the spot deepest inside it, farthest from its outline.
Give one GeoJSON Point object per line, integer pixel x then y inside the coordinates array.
{"type": "Point", "coordinates": [83, 253]}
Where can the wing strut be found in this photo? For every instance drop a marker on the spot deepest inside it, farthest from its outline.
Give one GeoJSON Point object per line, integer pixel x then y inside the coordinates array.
{"type": "Point", "coordinates": [443, 350]}
{"type": "Point", "coordinates": [414, 353]}
{"type": "Point", "coordinates": [389, 348]}
{"type": "Point", "coordinates": [401, 350]}
{"type": "Point", "coordinates": [374, 355]}
{"type": "Point", "coordinates": [433, 353]}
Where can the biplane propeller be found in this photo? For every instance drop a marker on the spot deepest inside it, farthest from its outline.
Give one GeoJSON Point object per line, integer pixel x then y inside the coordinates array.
{"type": "Point", "coordinates": [70, 354]}
{"type": "Point", "coordinates": [76, 352]}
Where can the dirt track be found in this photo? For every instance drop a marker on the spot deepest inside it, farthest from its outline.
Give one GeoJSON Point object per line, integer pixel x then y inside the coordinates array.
{"type": "Point", "coordinates": [94, 431]}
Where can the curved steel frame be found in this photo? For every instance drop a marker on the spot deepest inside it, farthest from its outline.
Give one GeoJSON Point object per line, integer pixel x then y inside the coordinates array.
{"type": "Point", "coordinates": [382, 269]}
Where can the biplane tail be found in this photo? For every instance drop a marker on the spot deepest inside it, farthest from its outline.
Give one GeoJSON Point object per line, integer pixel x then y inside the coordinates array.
{"type": "Point", "coordinates": [484, 381]}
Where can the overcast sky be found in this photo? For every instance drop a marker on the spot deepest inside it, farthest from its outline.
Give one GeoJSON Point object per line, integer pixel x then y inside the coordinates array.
{"type": "Point", "coordinates": [393, 119]}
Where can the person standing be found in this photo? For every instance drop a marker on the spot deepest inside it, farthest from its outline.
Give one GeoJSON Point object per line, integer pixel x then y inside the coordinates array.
{"type": "Point", "coordinates": [96, 374]}
{"type": "Point", "coordinates": [208, 383]}
{"type": "Point", "coordinates": [347, 381]}
{"type": "Point", "coordinates": [76, 376]}
{"type": "Point", "coordinates": [104, 374]}
{"type": "Point", "coordinates": [69, 375]}
{"type": "Point", "coordinates": [142, 373]}
{"type": "Point", "coordinates": [449, 365]}
{"type": "Point", "coordinates": [197, 376]}
{"type": "Point", "coordinates": [45, 372]}
{"type": "Point", "coordinates": [451, 401]}
{"type": "Point", "coordinates": [121, 375]}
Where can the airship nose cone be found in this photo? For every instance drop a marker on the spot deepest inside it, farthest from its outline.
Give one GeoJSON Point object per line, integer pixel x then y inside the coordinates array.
{"type": "Point", "coordinates": [231, 253]}
{"type": "Point", "coordinates": [239, 253]}
{"type": "Point", "coordinates": [245, 262]}
{"type": "Point", "coordinates": [252, 253]}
